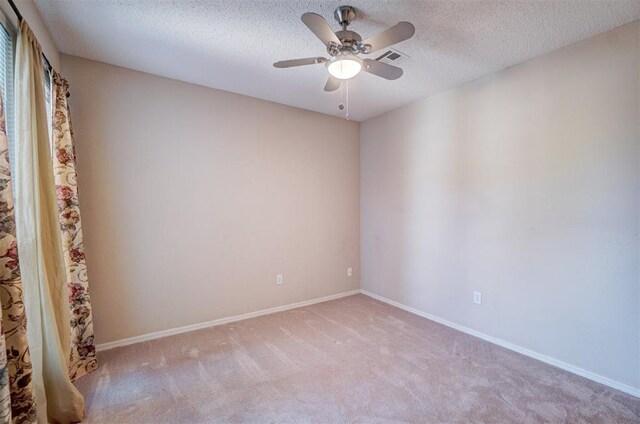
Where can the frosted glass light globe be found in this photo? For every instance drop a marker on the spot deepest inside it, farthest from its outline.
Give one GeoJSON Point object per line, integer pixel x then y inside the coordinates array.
{"type": "Point", "coordinates": [344, 66]}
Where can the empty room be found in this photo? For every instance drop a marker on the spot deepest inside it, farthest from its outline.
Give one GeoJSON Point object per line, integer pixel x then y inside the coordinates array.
{"type": "Point", "coordinates": [269, 211]}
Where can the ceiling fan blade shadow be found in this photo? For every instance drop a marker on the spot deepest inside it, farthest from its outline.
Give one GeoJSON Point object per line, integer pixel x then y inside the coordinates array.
{"type": "Point", "coordinates": [319, 26]}
{"type": "Point", "coordinates": [397, 33]}
{"type": "Point", "coordinates": [332, 84]}
{"type": "Point", "coordinates": [383, 70]}
{"type": "Point", "coordinates": [299, 62]}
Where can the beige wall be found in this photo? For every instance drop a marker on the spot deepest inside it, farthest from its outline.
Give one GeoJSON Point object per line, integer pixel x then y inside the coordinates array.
{"type": "Point", "coordinates": [525, 186]}
{"type": "Point", "coordinates": [193, 200]}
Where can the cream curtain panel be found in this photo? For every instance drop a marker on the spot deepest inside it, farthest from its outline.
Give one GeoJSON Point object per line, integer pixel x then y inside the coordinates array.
{"type": "Point", "coordinates": [17, 398]}
{"type": "Point", "coordinates": [40, 243]}
{"type": "Point", "coordinates": [83, 351]}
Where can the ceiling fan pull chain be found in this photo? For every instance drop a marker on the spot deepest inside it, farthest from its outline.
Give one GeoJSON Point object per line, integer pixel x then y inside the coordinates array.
{"type": "Point", "coordinates": [347, 101]}
{"type": "Point", "coordinates": [342, 101]}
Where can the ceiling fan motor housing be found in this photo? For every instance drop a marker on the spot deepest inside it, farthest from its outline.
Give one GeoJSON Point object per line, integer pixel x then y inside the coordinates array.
{"type": "Point", "coordinates": [350, 40]}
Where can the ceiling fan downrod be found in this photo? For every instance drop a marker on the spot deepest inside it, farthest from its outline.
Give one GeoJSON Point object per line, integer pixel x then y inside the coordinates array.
{"type": "Point", "coordinates": [351, 41]}
{"type": "Point", "coordinates": [344, 15]}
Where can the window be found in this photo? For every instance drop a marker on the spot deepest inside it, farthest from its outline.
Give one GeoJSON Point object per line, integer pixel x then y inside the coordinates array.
{"type": "Point", "coordinates": [48, 100]}
{"type": "Point", "coordinates": [7, 49]}
{"type": "Point", "coordinates": [7, 43]}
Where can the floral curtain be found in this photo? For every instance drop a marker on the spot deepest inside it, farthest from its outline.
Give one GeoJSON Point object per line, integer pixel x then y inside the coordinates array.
{"type": "Point", "coordinates": [42, 265]}
{"type": "Point", "coordinates": [17, 399]}
{"type": "Point", "coordinates": [83, 352]}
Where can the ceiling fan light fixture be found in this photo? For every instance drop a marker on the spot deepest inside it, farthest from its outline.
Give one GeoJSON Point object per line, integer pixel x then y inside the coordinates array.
{"type": "Point", "coordinates": [344, 66]}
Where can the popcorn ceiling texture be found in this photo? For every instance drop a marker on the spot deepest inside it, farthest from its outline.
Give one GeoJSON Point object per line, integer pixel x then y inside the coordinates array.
{"type": "Point", "coordinates": [231, 44]}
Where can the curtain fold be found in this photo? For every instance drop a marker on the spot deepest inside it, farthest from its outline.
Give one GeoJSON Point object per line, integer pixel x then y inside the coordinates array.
{"type": "Point", "coordinates": [40, 243]}
{"type": "Point", "coordinates": [17, 398]}
{"type": "Point", "coordinates": [83, 351]}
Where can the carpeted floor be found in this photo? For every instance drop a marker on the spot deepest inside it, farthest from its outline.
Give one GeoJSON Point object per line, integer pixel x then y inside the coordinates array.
{"type": "Point", "coordinates": [349, 360]}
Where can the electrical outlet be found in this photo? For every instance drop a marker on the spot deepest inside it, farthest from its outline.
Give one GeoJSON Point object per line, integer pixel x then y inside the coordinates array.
{"type": "Point", "coordinates": [477, 297]}
{"type": "Point", "coordinates": [279, 279]}
{"type": "Point", "coordinates": [349, 272]}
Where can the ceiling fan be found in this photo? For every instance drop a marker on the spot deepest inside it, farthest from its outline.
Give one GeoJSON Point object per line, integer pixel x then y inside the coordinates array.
{"type": "Point", "coordinates": [345, 45]}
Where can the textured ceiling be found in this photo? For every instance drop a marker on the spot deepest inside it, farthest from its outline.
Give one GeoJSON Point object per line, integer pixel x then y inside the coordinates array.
{"type": "Point", "coordinates": [231, 44]}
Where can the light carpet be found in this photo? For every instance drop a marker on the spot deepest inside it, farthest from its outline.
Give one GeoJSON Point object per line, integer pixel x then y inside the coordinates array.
{"type": "Point", "coordinates": [351, 360]}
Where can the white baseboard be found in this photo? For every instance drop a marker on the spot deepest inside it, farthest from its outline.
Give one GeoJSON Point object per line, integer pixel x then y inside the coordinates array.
{"type": "Point", "coordinates": [220, 321]}
{"type": "Point", "coordinates": [527, 352]}
{"type": "Point", "coordinates": [530, 353]}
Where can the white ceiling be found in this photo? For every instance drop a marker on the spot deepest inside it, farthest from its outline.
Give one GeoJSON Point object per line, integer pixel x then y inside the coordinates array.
{"type": "Point", "coordinates": [231, 44]}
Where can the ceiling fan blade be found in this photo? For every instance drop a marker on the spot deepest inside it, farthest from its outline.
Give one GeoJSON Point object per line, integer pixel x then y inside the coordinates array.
{"type": "Point", "coordinates": [320, 28]}
{"type": "Point", "coordinates": [299, 62]}
{"type": "Point", "coordinates": [397, 33]}
{"type": "Point", "coordinates": [332, 84]}
{"type": "Point", "coordinates": [380, 69]}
